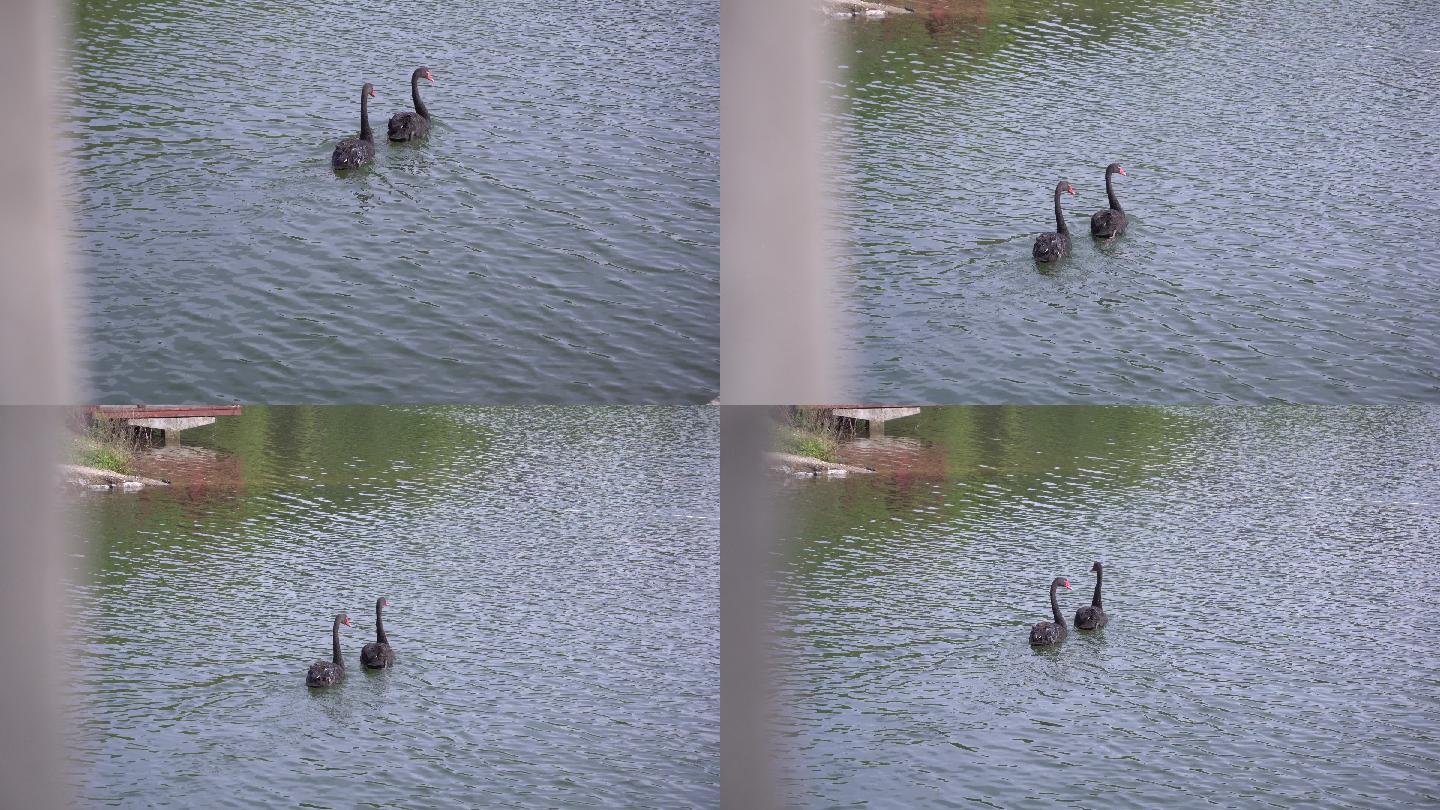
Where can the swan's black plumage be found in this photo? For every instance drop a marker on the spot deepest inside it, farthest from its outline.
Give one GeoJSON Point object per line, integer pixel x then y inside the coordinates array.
{"type": "Point", "coordinates": [1092, 616]}
{"type": "Point", "coordinates": [1110, 221]}
{"type": "Point", "coordinates": [1054, 246]}
{"type": "Point", "coordinates": [377, 654]}
{"type": "Point", "coordinates": [407, 126]}
{"type": "Point", "coordinates": [329, 673]}
{"type": "Point", "coordinates": [355, 152]}
{"type": "Point", "coordinates": [1051, 632]}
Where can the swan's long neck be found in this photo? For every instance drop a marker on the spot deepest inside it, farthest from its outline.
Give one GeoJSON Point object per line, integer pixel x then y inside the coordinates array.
{"type": "Point", "coordinates": [365, 131]}
{"type": "Point", "coordinates": [1110, 190]}
{"type": "Point", "coordinates": [1059, 228]}
{"type": "Point", "coordinates": [1054, 607]}
{"type": "Point", "coordinates": [415, 95]}
{"type": "Point", "coordinates": [1099, 575]}
{"type": "Point", "coordinates": [335, 642]}
{"type": "Point", "coordinates": [380, 628]}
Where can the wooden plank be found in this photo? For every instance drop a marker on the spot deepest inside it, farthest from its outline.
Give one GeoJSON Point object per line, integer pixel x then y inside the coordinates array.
{"type": "Point", "coordinates": [161, 411]}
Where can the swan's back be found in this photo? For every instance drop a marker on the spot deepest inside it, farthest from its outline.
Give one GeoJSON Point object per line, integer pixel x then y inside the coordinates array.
{"type": "Point", "coordinates": [324, 673]}
{"type": "Point", "coordinates": [1090, 617]}
{"type": "Point", "coordinates": [352, 153]}
{"type": "Point", "coordinates": [1107, 223]}
{"type": "Point", "coordinates": [1051, 247]}
{"type": "Point", "coordinates": [1046, 633]}
{"type": "Point", "coordinates": [407, 126]}
{"type": "Point", "coordinates": [377, 655]}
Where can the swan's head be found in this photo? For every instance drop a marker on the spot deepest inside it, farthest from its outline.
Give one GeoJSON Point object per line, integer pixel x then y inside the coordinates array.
{"type": "Point", "coordinates": [369, 89]}
{"type": "Point", "coordinates": [1095, 569]}
{"type": "Point", "coordinates": [425, 72]}
{"type": "Point", "coordinates": [1114, 167]}
{"type": "Point", "coordinates": [1065, 187]}
{"type": "Point", "coordinates": [345, 620]}
{"type": "Point", "coordinates": [384, 602]}
{"type": "Point", "coordinates": [1061, 582]}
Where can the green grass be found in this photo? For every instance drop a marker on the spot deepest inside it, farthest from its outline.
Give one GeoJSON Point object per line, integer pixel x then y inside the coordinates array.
{"type": "Point", "coordinates": [103, 446]}
{"type": "Point", "coordinates": [802, 442]}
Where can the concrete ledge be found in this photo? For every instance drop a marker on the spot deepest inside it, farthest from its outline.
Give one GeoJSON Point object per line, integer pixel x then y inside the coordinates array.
{"type": "Point", "coordinates": [877, 414]}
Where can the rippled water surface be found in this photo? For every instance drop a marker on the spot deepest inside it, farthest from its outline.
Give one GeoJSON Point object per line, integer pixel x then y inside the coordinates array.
{"type": "Point", "coordinates": [555, 240]}
{"type": "Point", "coordinates": [1270, 577]}
{"type": "Point", "coordinates": [554, 576]}
{"type": "Point", "coordinates": [1281, 195]}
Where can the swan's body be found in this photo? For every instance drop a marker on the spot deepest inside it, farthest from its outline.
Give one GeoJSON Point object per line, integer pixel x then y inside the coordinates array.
{"type": "Point", "coordinates": [377, 654]}
{"type": "Point", "coordinates": [1051, 632]}
{"type": "Point", "coordinates": [1050, 247]}
{"type": "Point", "coordinates": [1110, 221]}
{"type": "Point", "coordinates": [1092, 616]}
{"type": "Point", "coordinates": [355, 152]}
{"type": "Point", "coordinates": [329, 673]}
{"type": "Point", "coordinates": [407, 126]}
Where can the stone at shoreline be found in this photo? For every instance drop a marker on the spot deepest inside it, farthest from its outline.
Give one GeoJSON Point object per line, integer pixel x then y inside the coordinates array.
{"type": "Point", "coordinates": [806, 466]}
{"type": "Point", "coordinates": [860, 8]}
{"type": "Point", "coordinates": [97, 479]}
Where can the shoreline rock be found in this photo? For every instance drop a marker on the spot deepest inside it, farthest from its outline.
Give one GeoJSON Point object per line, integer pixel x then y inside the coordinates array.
{"type": "Point", "coordinates": [97, 479]}
{"type": "Point", "coordinates": [806, 466]}
{"type": "Point", "coordinates": [860, 8]}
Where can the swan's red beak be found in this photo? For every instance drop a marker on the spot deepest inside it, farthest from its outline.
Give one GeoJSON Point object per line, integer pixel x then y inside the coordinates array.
{"type": "Point", "coordinates": [1120, 169]}
{"type": "Point", "coordinates": [348, 624]}
{"type": "Point", "coordinates": [372, 92]}
{"type": "Point", "coordinates": [428, 77]}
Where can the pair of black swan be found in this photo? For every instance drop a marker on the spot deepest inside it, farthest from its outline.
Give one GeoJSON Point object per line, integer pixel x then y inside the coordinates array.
{"type": "Point", "coordinates": [355, 152]}
{"type": "Point", "coordinates": [1090, 617]}
{"type": "Point", "coordinates": [1104, 224]}
{"type": "Point", "coordinates": [375, 655]}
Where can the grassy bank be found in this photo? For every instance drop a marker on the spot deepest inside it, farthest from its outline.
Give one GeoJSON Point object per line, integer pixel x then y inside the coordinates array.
{"type": "Point", "coordinates": [808, 432]}
{"type": "Point", "coordinates": [104, 445]}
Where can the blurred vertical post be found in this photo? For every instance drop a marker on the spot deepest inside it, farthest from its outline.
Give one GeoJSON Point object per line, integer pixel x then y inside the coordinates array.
{"type": "Point", "coordinates": [748, 756]}
{"type": "Point", "coordinates": [778, 337]}
{"type": "Point", "coordinates": [778, 324]}
{"type": "Point", "coordinates": [34, 377]}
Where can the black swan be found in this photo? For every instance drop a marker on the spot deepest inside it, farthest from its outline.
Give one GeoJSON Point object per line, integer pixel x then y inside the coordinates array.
{"type": "Point", "coordinates": [377, 654]}
{"type": "Point", "coordinates": [1051, 632]}
{"type": "Point", "coordinates": [329, 673]}
{"type": "Point", "coordinates": [1051, 247]}
{"type": "Point", "coordinates": [1111, 221]}
{"type": "Point", "coordinates": [1092, 616]}
{"type": "Point", "coordinates": [355, 152]}
{"type": "Point", "coordinates": [407, 126]}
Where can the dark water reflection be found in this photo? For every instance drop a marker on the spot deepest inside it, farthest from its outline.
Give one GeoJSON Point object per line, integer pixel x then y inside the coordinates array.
{"type": "Point", "coordinates": [1278, 191]}
{"type": "Point", "coordinates": [556, 240]}
{"type": "Point", "coordinates": [554, 574]}
{"type": "Point", "coordinates": [1270, 576]}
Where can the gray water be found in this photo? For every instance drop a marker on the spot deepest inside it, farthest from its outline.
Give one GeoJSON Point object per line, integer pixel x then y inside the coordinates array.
{"type": "Point", "coordinates": [1282, 198]}
{"type": "Point", "coordinates": [1270, 577]}
{"type": "Point", "coordinates": [556, 240]}
{"type": "Point", "coordinates": [554, 574]}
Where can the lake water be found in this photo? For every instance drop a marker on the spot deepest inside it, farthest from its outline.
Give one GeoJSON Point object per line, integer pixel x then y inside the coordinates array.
{"type": "Point", "coordinates": [556, 240]}
{"type": "Point", "coordinates": [1270, 575]}
{"type": "Point", "coordinates": [1281, 197]}
{"type": "Point", "coordinates": [554, 574]}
